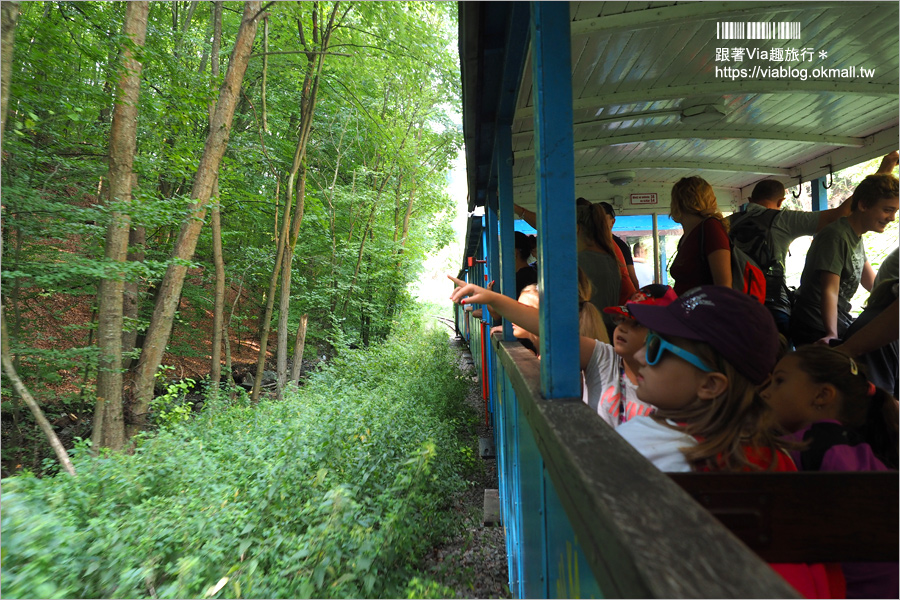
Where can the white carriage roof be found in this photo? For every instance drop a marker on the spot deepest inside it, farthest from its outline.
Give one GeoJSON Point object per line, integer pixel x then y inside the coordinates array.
{"type": "Point", "coordinates": [665, 90]}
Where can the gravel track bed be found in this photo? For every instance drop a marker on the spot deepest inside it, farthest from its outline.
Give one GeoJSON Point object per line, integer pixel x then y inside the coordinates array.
{"type": "Point", "coordinates": [473, 563]}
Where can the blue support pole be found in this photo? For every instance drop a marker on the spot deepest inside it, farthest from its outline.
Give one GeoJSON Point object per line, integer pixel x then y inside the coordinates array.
{"type": "Point", "coordinates": [507, 219]}
{"type": "Point", "coordinates": [819, 194]}
{"type": "Point", "coordinates": [555, 183]}
{"type": "Point", "coordinates": [493, 234]}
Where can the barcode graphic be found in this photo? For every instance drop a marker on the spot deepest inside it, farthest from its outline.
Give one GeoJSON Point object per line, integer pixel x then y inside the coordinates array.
{"type": "Point", "coordinates": [758, 30]}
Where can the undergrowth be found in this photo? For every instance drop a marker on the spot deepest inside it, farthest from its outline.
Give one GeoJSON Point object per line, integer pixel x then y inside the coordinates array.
{"type": "Point", "coordinates": [337, 491]}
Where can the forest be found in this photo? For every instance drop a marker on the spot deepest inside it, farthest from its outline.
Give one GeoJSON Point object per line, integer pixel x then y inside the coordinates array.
{"type": "Point", "coordinates": [201, 181]}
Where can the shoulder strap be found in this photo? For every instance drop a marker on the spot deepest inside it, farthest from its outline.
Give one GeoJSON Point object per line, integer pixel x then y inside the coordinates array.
{"type": "Point", "coordinates": [822, 437]}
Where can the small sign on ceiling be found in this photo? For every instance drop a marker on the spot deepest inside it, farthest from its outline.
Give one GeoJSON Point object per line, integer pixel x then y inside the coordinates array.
{"type": "Point", "coordinates": [644, 199]}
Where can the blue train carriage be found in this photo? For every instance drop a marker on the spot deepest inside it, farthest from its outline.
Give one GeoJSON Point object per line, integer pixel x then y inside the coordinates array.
{"type": "Point", "coordinates": [616, 101]}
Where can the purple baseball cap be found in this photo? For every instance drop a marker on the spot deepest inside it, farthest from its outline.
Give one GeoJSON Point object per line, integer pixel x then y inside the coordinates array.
{"type": "Point", "coordinates": [734, 324]}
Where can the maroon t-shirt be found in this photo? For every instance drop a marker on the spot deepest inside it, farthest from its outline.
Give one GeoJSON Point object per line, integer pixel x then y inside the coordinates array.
{"type": "Point", "coordinates": [691, 268]}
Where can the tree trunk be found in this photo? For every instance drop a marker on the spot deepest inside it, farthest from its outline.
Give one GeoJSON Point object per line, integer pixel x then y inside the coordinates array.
{"type": "Point", "coordinates": [315, 56]}
{"type": "Point", "coordinates": [131, 301]}
{"type": "Point", "coordinates": [170, 288]}
{"type": "Point", "coordinates": [299, 344]}
{"type": "Point", "coordinates": [109, 426]}
{"type": "Point", "coordinates": [215, 371]}
{"type": "Point", "coordinates": [9, 16]}
{"type": "Point", "coordinates": [20, 388]}
{"type": "Point", "coordinates": [285, 299]}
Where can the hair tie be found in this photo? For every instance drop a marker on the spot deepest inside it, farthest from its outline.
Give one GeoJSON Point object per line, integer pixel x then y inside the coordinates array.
{"type": "Point", "coordinates": [870, 391]}
{"type": "Point", "coordinates": [853, 368]}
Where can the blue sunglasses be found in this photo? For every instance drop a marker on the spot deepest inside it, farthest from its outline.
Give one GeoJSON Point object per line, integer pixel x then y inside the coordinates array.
{"type": "Point", "coordinates": [655, 346]}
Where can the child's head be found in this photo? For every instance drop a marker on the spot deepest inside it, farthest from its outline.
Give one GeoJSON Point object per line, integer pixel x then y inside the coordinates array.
{"type": "Point", "coordinates": [817, 382]}
{"type": "Point", "coordinates": [704, 356]}
{"type": "Point", "coordinates": [629, 335]}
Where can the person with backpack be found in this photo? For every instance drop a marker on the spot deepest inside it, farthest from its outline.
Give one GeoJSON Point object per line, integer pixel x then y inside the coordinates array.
{"type": "Point", "coordinates": [765, 233]}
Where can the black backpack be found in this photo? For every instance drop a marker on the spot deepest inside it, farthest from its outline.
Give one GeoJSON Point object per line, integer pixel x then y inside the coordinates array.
{"type": "Point", "coordinates": [753, 235]}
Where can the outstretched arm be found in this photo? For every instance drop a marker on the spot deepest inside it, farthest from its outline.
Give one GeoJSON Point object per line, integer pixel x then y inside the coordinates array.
{"type": "Point", "coordinates": [876, 333]}
{"type": "Point", "coordinates": [526, 317]}
{"type": "Point", "coordinates": [526, 215]}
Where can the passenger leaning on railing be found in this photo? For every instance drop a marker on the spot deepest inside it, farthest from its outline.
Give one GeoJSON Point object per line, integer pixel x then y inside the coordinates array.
{"type": "Point", "coordinates": [703, 357]}
{"type": "Point", "coordinates": [824, 399]}
{"type": "Point", "coordinates": [608, 389]}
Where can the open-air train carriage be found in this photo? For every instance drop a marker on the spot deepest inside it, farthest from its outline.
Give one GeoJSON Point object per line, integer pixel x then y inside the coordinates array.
{"type": "Point", "coordinates": [616, 101]}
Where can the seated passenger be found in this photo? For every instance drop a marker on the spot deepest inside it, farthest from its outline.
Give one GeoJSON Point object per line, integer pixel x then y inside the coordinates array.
{"type": "Point", "coordinates": [703, 358]}
{"type": "Point", "coordinates": [694, 206]}
{"type": "Point", "coordinates": [836, 264]}
{"type": "Point", "coordinates": [599, 360]}
{"type": "Point", "coordinates": [598, 255]}
{"type": "Point", "coordinates": [847, 424]}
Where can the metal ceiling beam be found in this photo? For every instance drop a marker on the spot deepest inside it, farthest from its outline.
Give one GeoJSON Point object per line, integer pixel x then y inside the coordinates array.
{"type": "Point", "coordinates": [727, 88]}
{"type": "Point", "coordinates": [684, 13]}
{"type": "Point", "coordinates": [714, 134]}
{"type": "Point", "coordinates": [691, 165]}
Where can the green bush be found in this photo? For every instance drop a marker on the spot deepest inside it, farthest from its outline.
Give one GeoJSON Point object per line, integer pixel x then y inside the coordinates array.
{"type": "Point", "coordinates": [335, 492]}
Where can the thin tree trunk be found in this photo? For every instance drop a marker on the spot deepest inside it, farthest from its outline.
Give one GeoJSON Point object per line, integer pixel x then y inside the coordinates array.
{"type": "Point", "coordinates": [315, 56]}
{"type": "Point", "coordinates": [265, 70]}
{"type": "Point", "coordinates": [9, 13]}
{"type": "Point", "coordinates": [215, 372]}
{"type": "Point", "coordinates": [170, 289]}
{"type": "Point", "coordinates": [284, 301]}
{"type": "Point", "coordinates": [299, 344]}
{"type": "Point", "coordinates": [42, 421]}
{"type": "Point", "coordinates": [109, 425]}
{"type": "Point", "coordinates": [131, 301]}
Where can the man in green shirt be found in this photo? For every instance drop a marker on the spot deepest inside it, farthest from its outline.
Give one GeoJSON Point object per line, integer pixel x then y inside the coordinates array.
{"type": "Point", "coordinates": [783, 227]}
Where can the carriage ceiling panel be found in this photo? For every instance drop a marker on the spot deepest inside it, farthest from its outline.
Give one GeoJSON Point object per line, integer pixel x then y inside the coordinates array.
{"type": "Point", "coordinates": [638, 65]}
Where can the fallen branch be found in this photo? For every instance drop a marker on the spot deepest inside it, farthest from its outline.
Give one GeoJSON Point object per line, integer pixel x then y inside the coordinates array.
{"type": "Point", "coordinates": [20, 388]}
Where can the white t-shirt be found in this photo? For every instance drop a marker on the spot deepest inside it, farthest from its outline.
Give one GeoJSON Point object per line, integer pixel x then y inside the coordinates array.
{"type": "Point", "coordinates": [657, 443]}
{"type": "Point", "coordinates": [605, 382]}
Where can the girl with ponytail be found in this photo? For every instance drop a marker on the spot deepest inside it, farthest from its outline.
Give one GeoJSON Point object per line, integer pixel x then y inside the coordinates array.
{"type": "Point", "coordinates": [843, 422]}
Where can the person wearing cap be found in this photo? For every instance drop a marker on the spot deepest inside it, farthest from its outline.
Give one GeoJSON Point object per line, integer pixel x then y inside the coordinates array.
{"type": "Point", "coordinates": [623, 247]}
{"type": "Point", "coordinates": [610, 381]}
{"type": "Point", "coordinates": [701, 371]}
{"type": "Point", "coordinates": [786, 226]}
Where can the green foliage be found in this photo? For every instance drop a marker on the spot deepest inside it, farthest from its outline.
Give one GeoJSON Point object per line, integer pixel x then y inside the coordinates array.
{"type": "Point", "coordinates": [335, 492]}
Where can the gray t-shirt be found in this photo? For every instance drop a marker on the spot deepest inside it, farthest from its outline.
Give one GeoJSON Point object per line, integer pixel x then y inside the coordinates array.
{"type": "Point", "coordinates": [787, 226]}
{"type": "Point", "coordinates": [836, 249]}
